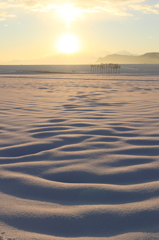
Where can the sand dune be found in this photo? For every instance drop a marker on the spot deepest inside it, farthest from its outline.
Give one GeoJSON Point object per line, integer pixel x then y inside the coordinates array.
{"type": "Point", "coordinates": [79, 157]}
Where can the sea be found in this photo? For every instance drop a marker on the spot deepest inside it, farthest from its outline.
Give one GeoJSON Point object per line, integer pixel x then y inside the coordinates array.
{"type": "Point", "coordinates": [130, 69]}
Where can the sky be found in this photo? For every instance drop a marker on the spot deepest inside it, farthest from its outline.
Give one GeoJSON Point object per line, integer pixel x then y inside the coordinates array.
{"type": "Point", "coordinates": [32, 30]}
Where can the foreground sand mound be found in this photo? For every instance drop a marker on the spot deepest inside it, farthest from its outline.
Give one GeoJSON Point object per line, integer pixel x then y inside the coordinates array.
{"type": "Point", "coordinates": [79, 157]}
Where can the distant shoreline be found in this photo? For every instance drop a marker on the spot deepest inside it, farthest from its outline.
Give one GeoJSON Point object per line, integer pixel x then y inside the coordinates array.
{"type": "Point", "coordinates": [47, 72]}
{"type": "Point", "coordinates": [126, 69]}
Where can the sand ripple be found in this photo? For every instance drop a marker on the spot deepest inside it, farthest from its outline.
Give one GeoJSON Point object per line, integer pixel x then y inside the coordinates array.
{"type": "Point", "coordinates": [79, 157]}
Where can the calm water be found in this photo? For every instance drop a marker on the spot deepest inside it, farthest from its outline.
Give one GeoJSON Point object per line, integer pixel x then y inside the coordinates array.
{"type": "Point", "coordinates": [136, 69]}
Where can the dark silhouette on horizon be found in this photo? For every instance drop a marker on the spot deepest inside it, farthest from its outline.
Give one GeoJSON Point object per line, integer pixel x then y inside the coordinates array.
{"type": "Point", "coordinates": [147, 58]}
{"type": "Point", "coordinates": [105, 68]}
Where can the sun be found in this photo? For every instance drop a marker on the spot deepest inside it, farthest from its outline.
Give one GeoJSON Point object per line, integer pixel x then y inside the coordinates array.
{"type": "Point", "coordinates": [68, 43]}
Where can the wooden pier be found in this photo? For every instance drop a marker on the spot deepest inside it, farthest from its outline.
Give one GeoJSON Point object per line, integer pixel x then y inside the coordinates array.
{"type": "Point", "coordinates": [105, 68]}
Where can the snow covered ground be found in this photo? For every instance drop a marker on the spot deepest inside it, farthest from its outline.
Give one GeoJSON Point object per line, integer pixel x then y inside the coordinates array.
{"type": "Point", "coordinates": [79, 156]}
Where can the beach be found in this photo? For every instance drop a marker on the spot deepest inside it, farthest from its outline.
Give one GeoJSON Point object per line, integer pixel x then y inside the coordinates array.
{"type": "Point", "coordinates": [79, 154]}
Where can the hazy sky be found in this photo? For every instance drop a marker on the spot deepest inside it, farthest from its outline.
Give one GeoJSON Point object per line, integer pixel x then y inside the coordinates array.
{"type": "Point", "coordinates": [32, 29]}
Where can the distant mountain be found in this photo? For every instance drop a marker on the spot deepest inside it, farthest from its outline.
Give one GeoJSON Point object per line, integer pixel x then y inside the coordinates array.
{"type": "Point", "coordinates": [151, 55]}
{"type": "Point", "coordinates": [126, 53]}
{"type": "Point", "coordinates": [87, 58]}
{"type": "Point", "coordinates": [61, 58]}
{"type": "Point", "coordinates": [147, 58]}
{"type": "Point", "coordinates": [103, 53]}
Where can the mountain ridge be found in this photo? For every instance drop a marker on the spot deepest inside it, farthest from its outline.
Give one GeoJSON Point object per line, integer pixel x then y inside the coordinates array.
{"type": "Point", "coordinates": [147, 58]}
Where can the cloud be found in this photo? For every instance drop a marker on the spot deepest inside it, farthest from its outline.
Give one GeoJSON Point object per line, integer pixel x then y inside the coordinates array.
{"type": "Point", "coordinates": [3, 7]}
{"type": "Point", "coordinates": [4, 15]}
{"type": "Point", "coordinates": [113, 7]}
{"type": "Point", "coordinates": [146, 8]}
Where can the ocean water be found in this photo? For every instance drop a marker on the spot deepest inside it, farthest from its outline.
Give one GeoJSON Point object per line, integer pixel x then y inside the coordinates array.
{"type": "Point", "coordinates": [135, 69]}
{"type": "Point", "coordinates": [14, 69]}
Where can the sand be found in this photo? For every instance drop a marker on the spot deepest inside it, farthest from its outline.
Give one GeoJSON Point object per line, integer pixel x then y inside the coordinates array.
{"type": "Point", "coordinates": [79, 156]}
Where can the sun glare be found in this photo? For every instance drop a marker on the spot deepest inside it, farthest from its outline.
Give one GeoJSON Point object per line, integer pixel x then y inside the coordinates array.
{"type": "Point", "coordinates": [69, 13]}
{"type": "Point", "coordinates": [68, 43]}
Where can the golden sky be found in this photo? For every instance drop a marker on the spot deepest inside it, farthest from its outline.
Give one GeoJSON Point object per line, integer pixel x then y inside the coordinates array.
{"type": "Point", "coordinates": [85, 30]}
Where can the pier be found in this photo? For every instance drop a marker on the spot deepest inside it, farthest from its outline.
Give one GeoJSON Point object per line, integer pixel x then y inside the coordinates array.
{"type": "Point", "coordinates": [105, 68]}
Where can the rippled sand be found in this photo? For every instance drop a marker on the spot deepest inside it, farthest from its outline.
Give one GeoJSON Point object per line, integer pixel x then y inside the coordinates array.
{"type": "Point", "coordinates": [79, 157]}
